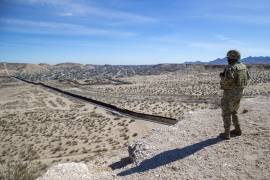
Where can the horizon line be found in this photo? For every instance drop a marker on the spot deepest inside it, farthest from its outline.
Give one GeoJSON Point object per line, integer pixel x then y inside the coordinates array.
{"type": "Point", "coordinates": [74, 62]}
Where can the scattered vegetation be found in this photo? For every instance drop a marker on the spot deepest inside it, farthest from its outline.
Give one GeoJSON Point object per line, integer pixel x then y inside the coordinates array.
{"type": "Point", "coordinates": [71, 128]}
{"type": "Point", "coordinates": [18, 170]}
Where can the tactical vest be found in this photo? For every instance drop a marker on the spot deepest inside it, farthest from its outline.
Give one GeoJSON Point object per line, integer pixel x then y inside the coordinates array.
{"type": "Point", "coordinates": [240, 77]}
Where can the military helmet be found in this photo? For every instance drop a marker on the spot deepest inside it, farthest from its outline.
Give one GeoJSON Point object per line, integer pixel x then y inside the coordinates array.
{"type": "Point", "coordinates": [233, 54]}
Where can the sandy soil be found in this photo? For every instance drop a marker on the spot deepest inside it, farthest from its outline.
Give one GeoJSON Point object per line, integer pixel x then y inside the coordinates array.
{"type": "Point", "coordinates": [169, 94]}
{"type": "Point", "coordinates": [47, 128]}
{"type": "Point", "coordinates": [192, 150]}
{"type": "Point", "coordinates": [44, 127]}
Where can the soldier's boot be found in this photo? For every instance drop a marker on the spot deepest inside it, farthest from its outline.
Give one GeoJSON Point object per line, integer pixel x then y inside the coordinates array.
{"type": "Point", "coordinates": [226, 135]}
{"type": "Point", "coordinates": [227, 124]}
{"type": "Point", "coordinates": [237, 131]}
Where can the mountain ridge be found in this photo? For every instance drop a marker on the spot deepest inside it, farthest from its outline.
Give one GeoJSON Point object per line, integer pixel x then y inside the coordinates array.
{"type": "Point", "coordinates": [246, 60]}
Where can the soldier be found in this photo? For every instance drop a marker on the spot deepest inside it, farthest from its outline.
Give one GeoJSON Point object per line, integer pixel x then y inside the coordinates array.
{"type": "Point", "coordinates": [233, 80]}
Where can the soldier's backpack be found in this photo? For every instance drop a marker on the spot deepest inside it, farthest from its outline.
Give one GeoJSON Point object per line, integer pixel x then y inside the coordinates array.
{"type": "Point", "coordinates": [242, 75]}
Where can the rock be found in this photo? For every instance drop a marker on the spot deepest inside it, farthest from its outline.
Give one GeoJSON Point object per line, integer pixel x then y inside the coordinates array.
{"type": "Point", "coordinates": [67, 171]}
{"type": "Point", "coordinates": [138, 151]}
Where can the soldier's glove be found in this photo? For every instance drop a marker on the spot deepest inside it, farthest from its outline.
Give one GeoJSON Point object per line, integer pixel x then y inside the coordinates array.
{"type": "Point", "coordinates": [222, 74]}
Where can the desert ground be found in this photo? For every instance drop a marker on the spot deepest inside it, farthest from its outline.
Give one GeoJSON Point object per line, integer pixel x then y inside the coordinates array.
{"type": "Point", "coordinates": [192, 149]}
{"type": "Point", "coordinates": [169, 94]}
{"type": "Point", "coordinates": [48, 128]}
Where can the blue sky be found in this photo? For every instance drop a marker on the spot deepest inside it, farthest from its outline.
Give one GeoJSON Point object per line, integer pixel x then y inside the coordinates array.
{"type": "Point", "coordinates": [131, 31]}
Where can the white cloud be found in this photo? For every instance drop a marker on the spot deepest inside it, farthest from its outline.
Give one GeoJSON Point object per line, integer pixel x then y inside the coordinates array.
{"type": "Point", "coordinates": [27, 26]}
{"type": "Point", "coordinates": [81, 8]}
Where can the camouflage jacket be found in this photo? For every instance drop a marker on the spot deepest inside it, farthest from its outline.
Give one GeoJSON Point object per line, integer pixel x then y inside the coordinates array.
{"type": "Point", "coordinates": [234, 76]}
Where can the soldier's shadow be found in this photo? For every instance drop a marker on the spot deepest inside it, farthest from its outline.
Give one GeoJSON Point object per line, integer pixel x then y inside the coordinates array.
{"type": "Point", "coordinates": [169, 156]}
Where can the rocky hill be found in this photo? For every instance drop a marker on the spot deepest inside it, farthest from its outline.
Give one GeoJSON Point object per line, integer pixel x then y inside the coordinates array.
{"type": "Point", "coordinates": [79, 71]}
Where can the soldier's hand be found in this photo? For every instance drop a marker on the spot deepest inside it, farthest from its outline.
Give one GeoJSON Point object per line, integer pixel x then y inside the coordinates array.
{"type": "Point", "coordinates": [222, 74]}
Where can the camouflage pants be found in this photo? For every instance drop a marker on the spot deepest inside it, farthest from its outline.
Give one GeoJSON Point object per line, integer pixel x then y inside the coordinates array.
{"type": "Point", "coordinates": [230, 103]}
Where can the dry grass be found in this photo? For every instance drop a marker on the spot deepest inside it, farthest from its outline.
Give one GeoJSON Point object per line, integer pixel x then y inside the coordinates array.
{"type": "Point", "coordinates": [172, 94]}
{"type": "Point", "coordinates": [19, 170]}
{"type": "Point", "coordinates": [41, 126]}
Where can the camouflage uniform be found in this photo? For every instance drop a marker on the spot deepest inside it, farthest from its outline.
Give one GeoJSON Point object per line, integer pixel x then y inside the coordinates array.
{"type": "Point", "coordinates": [233, 80]}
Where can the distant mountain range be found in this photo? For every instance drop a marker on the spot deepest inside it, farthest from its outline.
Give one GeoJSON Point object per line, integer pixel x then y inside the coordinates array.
{"type": "Point", "coordinates": [77, 71]}
{"type": "Point", "coordinates": [247, 60]}
{"type": "Point", "coordinates": [71, 71]}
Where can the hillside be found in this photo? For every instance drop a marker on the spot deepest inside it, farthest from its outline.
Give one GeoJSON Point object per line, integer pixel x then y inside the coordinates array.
{"type": "Point", "coordinates": [71, 70]}
{"type": "Point", "coordinates": [192, 150]}
{"type": "Point", "coordinates": [23, 68]}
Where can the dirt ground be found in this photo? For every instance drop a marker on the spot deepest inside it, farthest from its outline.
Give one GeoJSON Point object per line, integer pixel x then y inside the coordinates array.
{"type": "Point", "coordinates": [47, 128]}
{"type": "Point", "coordinates": [192, 150]}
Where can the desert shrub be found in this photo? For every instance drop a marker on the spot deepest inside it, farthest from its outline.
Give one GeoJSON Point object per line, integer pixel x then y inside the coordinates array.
{"type": "Point", "coordinates": [74, 143]}
{"type": "Point", "coordinates": [57, 148]}
{"type": "Point", "coordinates": [72, 151]}
{"type": "Point", "coordinates": [126, 137]}
{"type": "Point", "coordinates": [84, 150]}
{"type": "Point", "coordinates": [121, 124]}
{"type": "Point", "coordinates": [18, 170]}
